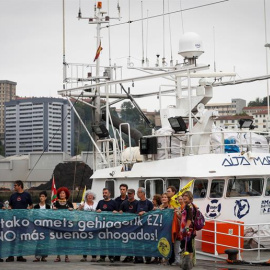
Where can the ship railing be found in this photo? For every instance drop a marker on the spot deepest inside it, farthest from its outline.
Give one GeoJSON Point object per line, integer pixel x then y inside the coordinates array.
{"type": "Point", "coordinates": [111, 153]}
{"type": "Point", "coordinates": [243, 253]}
{"type": "Point", "coordinates": [177, 145]}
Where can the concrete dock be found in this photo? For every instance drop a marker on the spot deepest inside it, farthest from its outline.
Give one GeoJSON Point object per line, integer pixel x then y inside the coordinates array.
{"type": "Point", "coordinates": [75, 264]}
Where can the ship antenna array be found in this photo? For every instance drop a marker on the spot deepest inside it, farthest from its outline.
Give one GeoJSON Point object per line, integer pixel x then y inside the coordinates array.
{"type": "Point", "coordinates": [171, 61]}
{"type": "Point", "coordinates": [167, 13]}
{"type": "Point", "coordinates": [182, 21]}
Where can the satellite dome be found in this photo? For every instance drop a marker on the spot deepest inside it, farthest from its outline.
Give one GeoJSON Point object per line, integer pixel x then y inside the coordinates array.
{"type": "Point", "coordinates": [190, 45]}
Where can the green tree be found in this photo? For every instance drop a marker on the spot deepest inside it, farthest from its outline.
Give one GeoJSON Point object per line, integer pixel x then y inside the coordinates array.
{"type": "Point", "coordinates": [258, 102]}
{"type": "Point", "coordinates": [130, 114]}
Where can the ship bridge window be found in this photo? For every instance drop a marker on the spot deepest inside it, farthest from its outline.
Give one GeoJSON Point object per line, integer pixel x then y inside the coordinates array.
{"type": "Point", "coordinates": [217, 187]}
{"type": "Point", "coordinates": [244, 187]}
{"type": "Point", "coordinates": [200, 188]}
{"type": "Point", "coordinates": [152, 186]}
{"type": "Point", "coordinates": [173, 182]}
{"type": "Point", "coordinates": [267, 190]}
{"type": "Point", "coordinates": [109, 184]}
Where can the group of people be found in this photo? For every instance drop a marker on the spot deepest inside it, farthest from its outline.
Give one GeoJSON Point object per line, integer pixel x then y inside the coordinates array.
{"type": "Point", "coordinates": [183, 232]}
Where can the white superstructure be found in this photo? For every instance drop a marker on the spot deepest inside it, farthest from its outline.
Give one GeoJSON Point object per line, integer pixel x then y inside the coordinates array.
{"type": "Point", "coordinates": [230, 168]}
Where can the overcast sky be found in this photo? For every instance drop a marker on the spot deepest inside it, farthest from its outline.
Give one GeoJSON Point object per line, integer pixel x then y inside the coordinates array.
{"type": "Point", "coordinates": [31, 41]}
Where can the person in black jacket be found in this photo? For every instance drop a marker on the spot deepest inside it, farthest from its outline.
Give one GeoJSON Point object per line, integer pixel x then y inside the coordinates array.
{"type": "Point", "coordinates": [63, 203]}
{"type": "Point", "coordinates": [42, 201]}
{"type": "Point", "coordinates": [41, 205]}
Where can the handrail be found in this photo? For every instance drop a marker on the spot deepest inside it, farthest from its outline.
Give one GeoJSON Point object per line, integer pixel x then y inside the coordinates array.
{"type": "Point", "coordinates": [178, 148]}
{"type": "Point", "coordinates": [216, 147]}
{"type": "Point", "coordinates": [258, 237]}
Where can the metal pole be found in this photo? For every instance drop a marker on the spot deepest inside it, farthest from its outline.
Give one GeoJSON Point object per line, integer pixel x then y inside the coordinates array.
{"type": "Point", "coordinates": [91, 138]}
{"type": "Point", "coordinates": [64, 47]}
{"type": "Point", "coordinates": [267, 81]}
{"type": "Point", "coordinates": [189, 109]}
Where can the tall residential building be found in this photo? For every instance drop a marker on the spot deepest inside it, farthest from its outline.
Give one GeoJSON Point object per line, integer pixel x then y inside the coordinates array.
{"type": "Point", "coordinates": [7, 93]}
{"type": "Point", "coordinates": [38, 124]}
{"type": "Point", "coordinates": [235, 107]}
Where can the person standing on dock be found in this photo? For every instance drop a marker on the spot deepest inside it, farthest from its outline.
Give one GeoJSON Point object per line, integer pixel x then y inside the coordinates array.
{"type": "Point", "coordinates": [42, 205]}
{"type": "Point", "coordinates": [143, 206]}
{"type": "Point", "coordinates": [119, 200]}
{"type": "Point", "coordinates": [19, 200]}
{"type": "Point", "coordinates": [63, 203]}
{"type": "Point", "coordinates": [107, 204]}
{"type": "Point", "coordinates": [129, 206]}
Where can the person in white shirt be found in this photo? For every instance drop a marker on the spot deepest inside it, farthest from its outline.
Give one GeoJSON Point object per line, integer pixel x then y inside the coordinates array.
{"type": "Point", "coordinates": [89, 204]}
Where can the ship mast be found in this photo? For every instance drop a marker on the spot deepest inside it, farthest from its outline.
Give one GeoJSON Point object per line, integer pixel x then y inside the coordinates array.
{"type": "Point", "coordinates": [98, 20]}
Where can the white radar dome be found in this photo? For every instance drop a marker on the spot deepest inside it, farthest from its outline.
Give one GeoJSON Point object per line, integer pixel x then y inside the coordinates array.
{"type": "Point", "coordinates": [190, 45]}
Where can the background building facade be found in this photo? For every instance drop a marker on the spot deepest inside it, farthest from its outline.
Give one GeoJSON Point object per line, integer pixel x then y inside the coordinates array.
{"type": "Point", "coordinates": [260, 115]}
{"type": "Point", "coordinates": [7, 93]}
{"type": "Point", "coordinates": [38, 124]}
{"type": "Point", "coordinates": [235, 107]}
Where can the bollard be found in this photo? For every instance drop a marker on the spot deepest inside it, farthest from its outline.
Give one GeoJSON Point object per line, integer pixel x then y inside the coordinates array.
{"type": "Point", "coordinates": [232, 254]}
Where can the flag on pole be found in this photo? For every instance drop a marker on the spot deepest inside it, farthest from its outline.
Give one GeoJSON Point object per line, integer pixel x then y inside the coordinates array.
{"type": "Point", "coordinates": [54, 192]}
{"type": "Point", "coordinates": [99, 49]}
{"type": "Point", "coordinates": [174, 202]}
{"type": "Point", "coordinates": [82, 201]}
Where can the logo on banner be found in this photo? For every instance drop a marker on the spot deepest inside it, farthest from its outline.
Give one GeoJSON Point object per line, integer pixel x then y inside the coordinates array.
{"type": "Point", "coordinates": [241, 208]}
{"type": "Point", "coordinates": [213, 209]}
{"type": "Point", "coordinates": [164, 246]}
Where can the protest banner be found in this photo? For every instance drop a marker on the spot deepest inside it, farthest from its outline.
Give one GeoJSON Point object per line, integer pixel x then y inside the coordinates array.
{"type": "Point", "coordinates": [35, 232]}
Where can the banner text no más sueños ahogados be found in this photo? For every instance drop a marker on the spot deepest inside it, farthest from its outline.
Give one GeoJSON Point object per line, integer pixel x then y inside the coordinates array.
{"type": "Point", "coordinates": [46, 232]}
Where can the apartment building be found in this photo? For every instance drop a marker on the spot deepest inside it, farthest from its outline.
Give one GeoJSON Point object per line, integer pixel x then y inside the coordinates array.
{"type": "Point", "coordinates": [38, 124]}
{"type": "Point", "coordinates": [235, 107]}
{"type": "Point", "coordinates": [230, 121]}
{"type": "Point", "coordinates": [260, 114]}
{"type": "Point", "coordinates": [7, 93]}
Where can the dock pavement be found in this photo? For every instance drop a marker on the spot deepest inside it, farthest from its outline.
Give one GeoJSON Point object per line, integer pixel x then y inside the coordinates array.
{"type": "Point", "coordinates": [75, 264]}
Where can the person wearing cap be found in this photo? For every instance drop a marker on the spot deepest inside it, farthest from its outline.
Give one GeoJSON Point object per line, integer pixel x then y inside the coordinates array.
{"type": "Point", "coordinates": [62, 203]}
{"type": "Point", "coordinates": [129, 206]}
